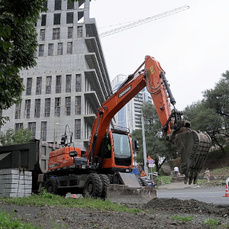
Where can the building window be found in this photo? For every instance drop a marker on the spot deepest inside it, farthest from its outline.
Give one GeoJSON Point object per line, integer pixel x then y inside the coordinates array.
{"type": "Point", "coordinates": [47, 107]}
{"type": "Point", "coordinates": [68, 106]}
{"type": "Point", "coordinates": [69, 18]}
{"type": "Point", "coordinates": [37, 110]}
{"type": "Point", "coordinates": [48, 84]}
{"type": "Point", "coordinates": [50, 49]}
{"type": "Point", "coordinates": [69, 47]}
{"type": "Point", "coordinates": [60, 49]}
{"type": "Point", "coordinates": [27, 108]}
{"type": "Point", "coordinates": [42, 34]}
{"type": "Point", "coordinates": [32, 128]}
{"type": "Point", "coordinates": [57, 107]}
{"type": "Point", "coordinates": [78, 105]}
{"type": "Point", "coordinates": [80, 16]}
{"type": "Point", "coordinates": [70, 4]}
{"type": "Point", "coordinates": [77, 129]}
{"type": "Point", "coordinates": [56, 34]}
{"type": "Point", "coordinates": [43, 131]}
{"type": "Point", "coordinates": [57, 4]}
{"type": "Point", "coordinates": [41, 50]}
{"type": "Point", "coordinates": [58, 84]}
{"type": "Point", "coordinates": [68, 83]}
{"type": "Point", "coordinates": [29, 86]}
{"type": "Point", "coordinates": [18, 111]}
{"type": "Point", "coordinates": [39, 85]}
{"type": "Point", "coordinates": [79, 31]}
{"type": "Point", "coordinates": [18, 126]}
{"type": "Point", "coordinates": [56, 19]}
{"type": "Point", "coordinates": [43, 20]}
{"type": "Point", "coordinates": [70, 32]}
{"type": "Point", "coordinates": [78, 82]}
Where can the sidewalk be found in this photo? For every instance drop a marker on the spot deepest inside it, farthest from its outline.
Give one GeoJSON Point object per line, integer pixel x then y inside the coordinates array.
{"type": "Point", "coordinates": [177, 185]}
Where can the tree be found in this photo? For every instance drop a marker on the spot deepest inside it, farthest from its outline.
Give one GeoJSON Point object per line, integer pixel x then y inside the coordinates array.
{"type": "Point", "coordinates": [156, 144]}
{"type": "Point", "coordinates": [18, 44]}
{"type": "Point", "coordinates": [11, 137]}
{"type": "Point", "coordinates": [212, 113]}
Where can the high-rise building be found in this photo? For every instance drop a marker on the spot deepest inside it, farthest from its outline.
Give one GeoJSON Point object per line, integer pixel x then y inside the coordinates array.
{"type": "Point", "coordinates": [70, 80]}
{"type": "Point", "coordinates": [130, 115]}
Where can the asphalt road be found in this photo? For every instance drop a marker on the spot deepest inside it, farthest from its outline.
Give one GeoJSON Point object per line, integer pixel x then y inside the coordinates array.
{"type": "Point", "coordinates": [213, 195]}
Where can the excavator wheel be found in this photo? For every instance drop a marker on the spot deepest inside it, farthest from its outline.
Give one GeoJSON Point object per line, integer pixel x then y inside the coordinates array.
{"type": "Point", "coordinates": [193, 147]}
{"type": "Point", "coordinates": [105, 183]}
{"type": "Point", "coordinates": [51, 185]}
{"type": "Point", "coordinates": [93, 186]}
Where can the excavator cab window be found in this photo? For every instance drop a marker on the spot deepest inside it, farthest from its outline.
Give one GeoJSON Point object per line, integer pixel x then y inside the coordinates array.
{"type": "Point", "coordinates": [121, 145]}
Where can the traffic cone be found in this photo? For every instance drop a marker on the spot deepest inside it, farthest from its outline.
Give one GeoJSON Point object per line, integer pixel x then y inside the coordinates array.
{"type": "Point", "coordinates": [74, 196]}
{"type": "Point", "coordinates": [226, 192]}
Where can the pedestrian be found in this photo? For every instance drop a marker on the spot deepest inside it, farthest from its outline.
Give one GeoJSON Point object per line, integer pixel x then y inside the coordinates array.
{"type": "Point", "coordinates": [176, 171]}
{"type": "Point", "coordinates": [207, 174]}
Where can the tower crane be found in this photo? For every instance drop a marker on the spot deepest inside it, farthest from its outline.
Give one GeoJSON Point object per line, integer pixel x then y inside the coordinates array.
{"type": "Point", "coordinates": [144, 21]}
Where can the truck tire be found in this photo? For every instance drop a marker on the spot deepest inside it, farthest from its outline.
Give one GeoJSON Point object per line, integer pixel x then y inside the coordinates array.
{"type": "Point", "coordinates": [51, 185]}
{"type": "Point", "coordinates": [93, 186]}
{"type": "Point", "coordinates": [105, 183]}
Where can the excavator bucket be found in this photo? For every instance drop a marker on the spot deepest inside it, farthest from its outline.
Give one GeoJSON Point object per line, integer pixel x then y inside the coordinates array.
{"type": "Point", "coordinates": [130, 191]}
{"type": "Point", "coordinates": [193, 147]}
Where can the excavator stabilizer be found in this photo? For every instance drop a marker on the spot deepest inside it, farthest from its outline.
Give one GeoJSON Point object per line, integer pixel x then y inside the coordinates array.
{"type": "Point", "coordinates": [193, 147]}
{"type": "Point", "coordinates": [129, 190]}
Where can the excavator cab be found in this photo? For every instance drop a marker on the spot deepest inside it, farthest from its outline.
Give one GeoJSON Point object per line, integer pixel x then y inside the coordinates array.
{"type": "Point", "coordinates": [116, 152]}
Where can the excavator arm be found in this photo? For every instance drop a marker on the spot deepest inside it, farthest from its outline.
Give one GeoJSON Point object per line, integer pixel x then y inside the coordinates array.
{"type": "Point", "coordinates": [192, 146]}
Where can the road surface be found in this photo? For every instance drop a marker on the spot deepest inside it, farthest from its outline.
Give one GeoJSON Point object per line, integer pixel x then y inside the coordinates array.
{"type": "Point", "coordinates": [181, 191]}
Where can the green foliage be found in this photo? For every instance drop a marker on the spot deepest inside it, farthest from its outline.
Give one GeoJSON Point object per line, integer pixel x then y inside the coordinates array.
{"type": "Point", "coordinates": [211, 222]}
{"type": "Point", "coordinates": [11, 137]}
{"type": "Point", "coordinates": [182, 219]}
{"type": "Point", "coordinates": [7, 221]}
{"type": "Point", "coordinates": [48, 199]}
{"type": "Point", "coordinates": [18, 46]}
{"type": "Point", "coordinates": [212, 113]}
{"type": "Point", "coordinates": [156, 144]}
{"type": "Point", "coordinates": [163, 180]}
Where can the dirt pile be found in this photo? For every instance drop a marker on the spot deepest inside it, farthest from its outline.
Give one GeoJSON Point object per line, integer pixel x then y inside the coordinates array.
{"type": "Point", "coordinates": [191, 206]}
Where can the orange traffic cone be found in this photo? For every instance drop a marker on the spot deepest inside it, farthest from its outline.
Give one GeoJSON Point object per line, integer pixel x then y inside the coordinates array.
{"type": "Point", "coordinates": [74, 196]}
{"type": "Point", "coordinates": [226, 192]}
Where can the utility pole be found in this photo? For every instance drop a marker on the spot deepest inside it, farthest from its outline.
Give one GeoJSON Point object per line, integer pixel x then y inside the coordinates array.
{"type": "Point", "coordinates": [144, 147]}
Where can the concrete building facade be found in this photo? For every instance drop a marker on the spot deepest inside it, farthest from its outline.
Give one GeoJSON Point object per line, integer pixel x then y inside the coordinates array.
{"type": "Point", "coordinates": [70, 81]}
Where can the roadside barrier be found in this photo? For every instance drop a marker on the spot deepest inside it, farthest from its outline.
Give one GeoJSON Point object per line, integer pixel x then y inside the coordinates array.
{"type": "Point", "coordinates": [227, 191]}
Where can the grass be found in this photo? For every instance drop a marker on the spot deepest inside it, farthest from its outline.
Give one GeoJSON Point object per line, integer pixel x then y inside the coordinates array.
{"type": "Point", "coordinates": [222, 171]}
{"type": "Point", "coordinates": [211, 222]}
{"type": "Point", "coordinates": [182, 219]}
{"type": "Point", "coordinates": [163, 180]}
{"type": "Point", "coordinates": [9, 222]}
{"type": "Point", "coordinates": [48, 199]}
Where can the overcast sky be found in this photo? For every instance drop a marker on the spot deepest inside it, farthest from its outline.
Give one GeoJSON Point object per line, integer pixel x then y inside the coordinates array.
{"type": "Point", "coordinates": [191, 46]}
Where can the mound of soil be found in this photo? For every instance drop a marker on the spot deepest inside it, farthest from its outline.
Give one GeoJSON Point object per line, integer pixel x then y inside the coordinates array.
{"type": "Point", "coordinates": [157, 213]}
{"type": "Point", "coordinates": [191, 206]}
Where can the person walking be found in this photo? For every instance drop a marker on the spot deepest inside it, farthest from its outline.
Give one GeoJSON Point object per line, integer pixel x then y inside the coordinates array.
{"type": "Point", "coordinates": [176, 171]}
{"type": "Point", "coordinates": [207, 174]}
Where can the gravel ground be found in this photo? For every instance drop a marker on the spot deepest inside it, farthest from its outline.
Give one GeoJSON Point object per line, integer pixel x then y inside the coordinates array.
{"type": "Point", "coordinates": [157, 213]}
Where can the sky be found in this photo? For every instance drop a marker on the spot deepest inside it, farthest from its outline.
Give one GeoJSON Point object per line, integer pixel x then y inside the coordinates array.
{"type": "Point", "coordinates": [192, 46]}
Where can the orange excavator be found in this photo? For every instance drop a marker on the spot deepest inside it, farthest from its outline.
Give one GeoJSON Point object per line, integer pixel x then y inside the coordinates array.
{"type": "Point", "coordinates": [108, 161]}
